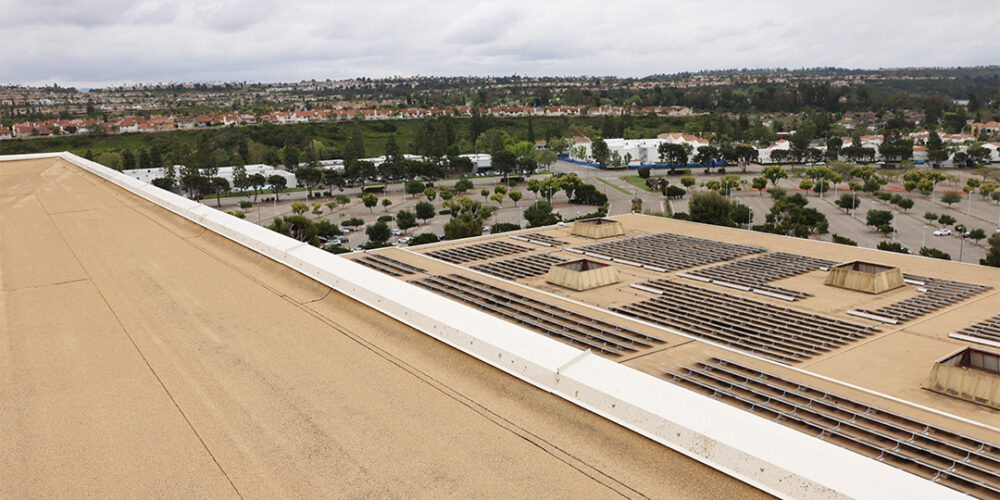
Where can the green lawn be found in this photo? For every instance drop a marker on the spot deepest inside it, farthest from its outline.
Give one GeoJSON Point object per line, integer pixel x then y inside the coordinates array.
{"type": "Point", "coordinates": [636, 181]}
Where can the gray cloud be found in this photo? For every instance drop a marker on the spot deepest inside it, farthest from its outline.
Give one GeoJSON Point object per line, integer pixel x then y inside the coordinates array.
{"type": "Point", "coordinates": [100, 42]}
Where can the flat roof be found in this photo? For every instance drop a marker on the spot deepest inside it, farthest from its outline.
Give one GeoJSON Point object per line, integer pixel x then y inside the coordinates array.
{"type": "Point", "coordinates": [882, 366]}
{"type": "Point", "coordinates": [147, 356]}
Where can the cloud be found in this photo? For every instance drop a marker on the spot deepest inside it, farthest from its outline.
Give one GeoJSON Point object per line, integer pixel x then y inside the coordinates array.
{"type": "Point", "coordinates": [101, 42]}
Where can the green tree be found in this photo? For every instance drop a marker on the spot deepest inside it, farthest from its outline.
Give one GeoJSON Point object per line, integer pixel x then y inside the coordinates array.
{"type": "Point", "coordinates": [790, 215]}
{"type": "Point", "coordinates": [378, 232]}
{"type": "Point", "coordinates": [277, 183]}
{"type": "Point", "coordinates": [950, 198]}
{"type": "Point", "coordinates": [430, 193]}
{"type": "Point", "coordinates": [540, 214]}
{"type": "Point", "coordinates": [257, 182]}
{"type": "Point", "coordinates": [425, 210]}
{"type": "Point", "coordinates": [935, 253]}
{"type": "Point", "coordinates": [878, 218]}
{"type": "Point", "coordinates": [310, 177]}
{"type": "Point", "coordinates": [760, 184]}
{"type": "Point", "coordinates": [774, 173]}
{"type": "Point", "coordinates": [946, 220]}
{"type": "Point", "coordinates": [977, 234]}
{"type": "Point", "coordinates": [688, 181]}
{"type": "Point", "coordinates": [370, 200]}
{"type": "Point", "coordinates": [710, 208]}
{"type": "Point", "coordinates": [515, 196]}
{"type": "Point", "coordinates": [930, 216]}
{"type": "Point", "coordinates": [848, 202]}
{"type": "Point", "coordinates": [600, 151]}
{"type": "Point", "coordinates": [386, 202]}
{"type": "Point", "coordinates": [992, 258]}
{"type": "Point", "coordinates": [406, 219]}
{"type": "Point", "coordinates": [299, 208]}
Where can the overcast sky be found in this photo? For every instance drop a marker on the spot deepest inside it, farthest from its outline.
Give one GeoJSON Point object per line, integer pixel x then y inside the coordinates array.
{"type": "Point", "coordinates": [90, 43]}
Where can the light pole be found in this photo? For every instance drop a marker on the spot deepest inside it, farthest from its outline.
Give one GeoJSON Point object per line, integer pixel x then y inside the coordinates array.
{"type": "Point", "coordinates": [749, 218]}
{"type": "Point", "coordinates": [894, 222]}
{"type": "Point", "coordinates": [968, 210]}
{"type": "Point", "coordinates": [923, 237]}
{"type": "Point", "coordinates": [961, 248]}
{"type": "Point", "coordinates": [854, 201]}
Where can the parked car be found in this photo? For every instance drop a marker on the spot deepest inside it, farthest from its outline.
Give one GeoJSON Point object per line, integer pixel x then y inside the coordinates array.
{"type": "Point", "coordinates": [405, 240]}
{"type": "Point", "coordinates": [942, 232]}
{"type": "Point", "coordinates": [346, 230]}
{"type": "Point", "coordinates": [397, 232]}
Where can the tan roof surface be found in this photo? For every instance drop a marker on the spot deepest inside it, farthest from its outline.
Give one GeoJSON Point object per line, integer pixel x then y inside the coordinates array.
{"type": "Point", "coordinates": [894, 361]}
{"type": "Point", "coordinates": [141, 355]}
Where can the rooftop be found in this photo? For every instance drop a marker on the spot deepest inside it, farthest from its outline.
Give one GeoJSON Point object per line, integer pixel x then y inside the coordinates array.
{"type": "Point", "coordinates": [144, 355]}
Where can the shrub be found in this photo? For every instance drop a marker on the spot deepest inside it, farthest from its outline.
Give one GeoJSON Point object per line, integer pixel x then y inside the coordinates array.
{"type": "Point", "coordinates": [892, 246]}
{"type": "Point", "coordinates": [337, 249]}
{"type": "Point", "coordinates": [675, 192]}
{"type": "Point", "coordinates": [934, 252]}
{"type": "Point", "coordinates": [353, 222]}
{"type": "Point", "coordinates": [444, 212]}
{"type": "Point", "coordinates": [374, 189]}
{"type": "Point", "coordinates": [385, 218]}
{"type": "Point", "coordinates": [844, 240]}
{"type": "Point", "coordinates": [423, 239]}
{"type": "Point", "coordinates": [244, 204]}
{"type": "Point", "coordinates": [503, 227]}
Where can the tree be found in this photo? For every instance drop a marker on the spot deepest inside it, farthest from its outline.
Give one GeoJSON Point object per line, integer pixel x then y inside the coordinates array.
{"type": "Point", "coordinates": [930, 216]}
{"type": "Point", "coordinates": [413, 187]}
{"type": "Point", "coordinates": [789, 215]}
{"type": "Point", "coordinates": [378, 232]}
{"type": "Point", "coordinates": [710, 208]}
{"type": "Point", "coordinates": [370, 200]}
{"type": "Point", "coordinates": [406, 219]}
{"type": "Point", "coordinates": [774, 173]}
{"type": "Point", "coordinates": [674, 192]}
{"type": "Point", "coordinates": [977, 234]}
{"type": "Point", "coordinates": [296, 226]}
{"type": "Point", "coordinates": [240, 179]}
{"type": "Point", "coordinates": [946, 220]}
{"type": "Point", "coordinates": [951, 198]}
{"type": "Point", "coordinates": [515, 196]}
{"type": "Point", "coordinates": [878, 218]}
{"type": "Point", "coordinates": [425, 210]}
{"type": "Point", "coordinates": [600, 151]}
{"type": "Point", "coordinates": [430, 193]}
{"type": "Point", "coordinates": [760, 184]}
{"type": "Point", "coordinates": [540, 214]}
{"type": "Point", "coordinates": [505, 162]}
{"type": "Point", "coordinates": [277, 183]}
{"type": "Point", "coordinates": [386, 202]}
{"type": "Point", "coordinates": [317, 209]}
{"type": "Point", "coordinates": [848, 202]}
{"type": "Point", "coordinates": [309, 177]}
{"type": "Point", "coordinates": [644, 172]}
{"type": "Point", "coordinates": [299, 208]}
{"type": "Point", "coordinates": [291, 157]}
{"type": "Point", "coordinates": [485, 193]}
{"type": "Point", "coordinates": [257, 181]}
{"type": "Point", "coordinates": [993, 254]}
{"type": "Point", "coordinates": [905, 204]}
{"type": "Point", "coordinates": [729, 183]}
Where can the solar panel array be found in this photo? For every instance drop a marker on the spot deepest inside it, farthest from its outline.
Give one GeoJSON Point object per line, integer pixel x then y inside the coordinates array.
{"type": "Point", "coordinates": [961, 462]}
{"type": "Point", "coordinates": [563, 324]}
{"type": "Point", "coordinates": [520, 267]}
{"type": "Point", "coordinates": [666, 251]}
{"type": "Point", "coordinates": [988, 329]}
{"type": "Point", "coordinates": [388, 265]}
{"type": "Point", "coordinates": [755, 272]}
{"type": "Point", "coordinates": [780, 333]}
{"type": "Point", "coordinates": [540, 239]}
{"type": "Point", "coordinates": [458, 255]}
{"type": "Point", "coordinates": [940, 293]}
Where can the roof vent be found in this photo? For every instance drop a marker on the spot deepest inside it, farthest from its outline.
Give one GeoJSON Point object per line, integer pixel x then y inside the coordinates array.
{"type": "Point", "coordinates": [864, 277]}
{"type": "Point", "coordinates": [582, 274]}
{"type": "Point", "coordinates": [969, 374]}
{"type": "Point", "coordinates": [598, 228]}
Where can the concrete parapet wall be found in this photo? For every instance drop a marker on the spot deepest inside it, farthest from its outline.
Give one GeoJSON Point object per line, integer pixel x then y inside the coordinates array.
{"type": "Point", "coordinates": [770, 456]}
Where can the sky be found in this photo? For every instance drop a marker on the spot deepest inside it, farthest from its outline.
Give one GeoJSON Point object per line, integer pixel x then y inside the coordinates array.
{"type": "Point", "coordinates": [95, 43]}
